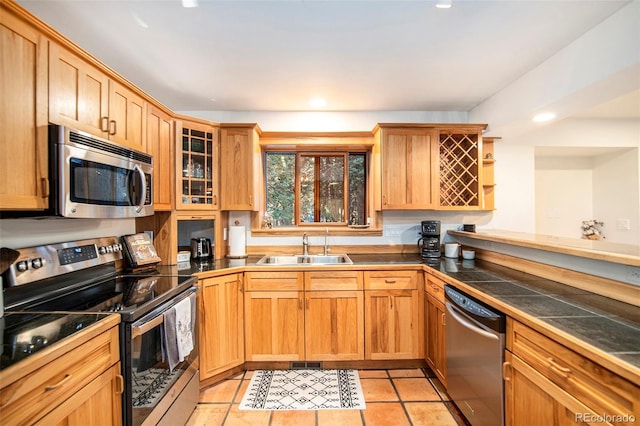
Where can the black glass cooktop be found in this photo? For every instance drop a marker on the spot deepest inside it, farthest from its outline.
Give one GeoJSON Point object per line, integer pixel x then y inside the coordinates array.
{"type": "Point", "coordinates": [24, 334]}
{"type": "Point", "coordinates": [130, 295]}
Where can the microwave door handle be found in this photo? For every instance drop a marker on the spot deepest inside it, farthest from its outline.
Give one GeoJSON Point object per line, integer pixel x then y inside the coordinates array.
{"type": "Point", "coordinates": [143, 194]}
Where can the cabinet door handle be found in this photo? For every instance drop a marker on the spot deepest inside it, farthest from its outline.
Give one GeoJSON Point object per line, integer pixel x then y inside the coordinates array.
{"type": "Point", "coordinates": [505, 365]}
{"type": "Point", "coordinates": [384, 199]}
{"type": "Point", "coordinates": [391, 301]}
{"type": "Point", "coordinates": [215, 200]}
{"type": "Point", "coordinates": [308, 303]}
{"type": "Point", "coordinates": [563, 371]}
{"type": "Point", "coordinates": [119, 384]}
{"type": "Point", "coordinates": [44, 184]}
{"type": "Point", "coordinates": [67, 377]}
{"type": "Point", "coordinates": [390, 281]}
{"type": "Point", "coordinates": [443, 322]}
{"type": "Point", "coordinates": [300, 303]}
{"type": "Point", "coordinates": [104, 124]}
{"type": "Point", "coordinates": [240, 288]}
{"type": "Point", "coordinates": [251, 200]}
{"type": "Point", "coordinates": [112, 127]}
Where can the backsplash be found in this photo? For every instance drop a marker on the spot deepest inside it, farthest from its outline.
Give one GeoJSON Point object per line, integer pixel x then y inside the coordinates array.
{"type": "Point", "coordinates": [19, 233]}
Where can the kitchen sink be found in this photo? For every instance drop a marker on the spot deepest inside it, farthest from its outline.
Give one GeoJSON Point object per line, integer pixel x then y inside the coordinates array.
{"type": "Point", "coordinates": [300, 259]}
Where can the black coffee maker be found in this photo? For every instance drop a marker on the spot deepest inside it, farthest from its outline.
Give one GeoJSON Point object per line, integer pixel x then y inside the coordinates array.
{"type": "Point", "coordinates": [429, 242]}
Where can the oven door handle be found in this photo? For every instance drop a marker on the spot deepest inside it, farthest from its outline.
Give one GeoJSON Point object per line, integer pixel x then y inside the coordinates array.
{"type": "Point", "coordinates": [139, 330]}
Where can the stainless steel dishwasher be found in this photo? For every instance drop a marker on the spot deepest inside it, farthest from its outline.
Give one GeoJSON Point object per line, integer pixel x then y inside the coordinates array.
{"type": "Point", "coordinates": [475, 335]}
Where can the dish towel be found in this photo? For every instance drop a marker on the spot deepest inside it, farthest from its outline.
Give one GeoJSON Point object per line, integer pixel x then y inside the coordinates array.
{"type": "Point", "coordinates": [178, 331]}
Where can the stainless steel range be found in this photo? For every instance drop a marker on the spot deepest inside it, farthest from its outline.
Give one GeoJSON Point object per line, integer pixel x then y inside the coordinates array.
{"type": "Point", "coordinates": [81, 277]}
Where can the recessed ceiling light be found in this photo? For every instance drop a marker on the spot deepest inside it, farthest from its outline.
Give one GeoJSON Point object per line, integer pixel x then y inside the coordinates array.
{"type": "Point", "coordinates": [543, 117]}
{"type": "Point", "coordinates": [443, 4]}
{"type": "Point", "coordinates": [189, 3]}
{"type": "Point", "coordinates": [317, 103]}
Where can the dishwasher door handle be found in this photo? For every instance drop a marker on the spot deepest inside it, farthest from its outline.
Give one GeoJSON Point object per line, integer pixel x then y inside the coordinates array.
{"type": "Point", "coordinates": [461, 318]}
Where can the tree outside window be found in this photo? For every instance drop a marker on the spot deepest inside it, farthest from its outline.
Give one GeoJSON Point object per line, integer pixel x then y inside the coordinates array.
{"type": "Point", "coordinates": [309, 188]}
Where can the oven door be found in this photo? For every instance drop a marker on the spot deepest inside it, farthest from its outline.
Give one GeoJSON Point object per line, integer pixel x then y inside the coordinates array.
{"type": "Point", "coordinates": [151, 386]}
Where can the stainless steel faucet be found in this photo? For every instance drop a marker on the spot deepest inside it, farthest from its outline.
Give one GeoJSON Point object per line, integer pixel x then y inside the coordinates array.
{"type": "Point", "coordinates": [305, 245]}
{"type": "Point", "coordinates": [326, 246]}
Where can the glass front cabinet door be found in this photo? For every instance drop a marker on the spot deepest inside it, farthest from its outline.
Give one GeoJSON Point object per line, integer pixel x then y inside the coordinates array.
{"type": "Point", "coordinates": [197, 163]}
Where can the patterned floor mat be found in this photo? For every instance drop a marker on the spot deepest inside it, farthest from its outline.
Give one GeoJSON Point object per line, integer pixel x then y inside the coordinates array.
{"type": "Point", "coordinates": [303, 390]}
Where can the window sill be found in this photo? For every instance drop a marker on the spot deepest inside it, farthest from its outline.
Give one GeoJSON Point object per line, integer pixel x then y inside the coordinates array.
{"type": "Point", "coordinates": [316, 231]}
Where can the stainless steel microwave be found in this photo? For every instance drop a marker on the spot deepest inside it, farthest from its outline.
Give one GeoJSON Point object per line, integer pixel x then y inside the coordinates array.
{"type": "Point", "coordinates": [100, 179]}
{"type": "Point", "coordinates": [91, 177]}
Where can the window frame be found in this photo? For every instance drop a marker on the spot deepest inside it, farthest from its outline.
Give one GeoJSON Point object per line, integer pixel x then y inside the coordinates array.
{"type": "Point", "coordinates": [338, 151]}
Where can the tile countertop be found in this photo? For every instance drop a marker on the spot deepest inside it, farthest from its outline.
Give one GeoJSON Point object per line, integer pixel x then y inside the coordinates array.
{"type": "Point", "coordinates": [609, 326]}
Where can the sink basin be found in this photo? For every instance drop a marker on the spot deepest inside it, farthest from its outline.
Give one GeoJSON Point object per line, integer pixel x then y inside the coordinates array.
{"type": "Point", "coordinates": [299, 259]}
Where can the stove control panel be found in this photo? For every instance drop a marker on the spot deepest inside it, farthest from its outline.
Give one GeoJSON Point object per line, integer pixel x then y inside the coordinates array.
{"type": "Point", "coordinates": [37, 263]}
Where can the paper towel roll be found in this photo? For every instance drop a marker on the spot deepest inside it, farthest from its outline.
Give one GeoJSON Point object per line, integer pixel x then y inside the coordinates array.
{"type": "Point", "coordinates": [237, 242]}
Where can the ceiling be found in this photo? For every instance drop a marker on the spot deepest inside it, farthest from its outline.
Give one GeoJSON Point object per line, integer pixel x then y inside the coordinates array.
{"type": "Point", "coordinates": [361, 55]}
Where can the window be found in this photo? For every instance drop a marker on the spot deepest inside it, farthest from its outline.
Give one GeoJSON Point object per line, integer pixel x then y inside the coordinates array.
{"type": "Point", "coordinates": [316, 187]}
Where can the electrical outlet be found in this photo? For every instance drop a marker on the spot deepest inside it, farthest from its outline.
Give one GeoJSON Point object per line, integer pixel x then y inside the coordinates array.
{"type": "Point", "coordinates": [633, 274]}
{"type": "Point", "coordinates": [623, 224]}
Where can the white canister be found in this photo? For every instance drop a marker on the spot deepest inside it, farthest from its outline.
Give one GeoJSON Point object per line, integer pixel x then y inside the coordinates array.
{"type": "Point", "coordinates": [451, 250]}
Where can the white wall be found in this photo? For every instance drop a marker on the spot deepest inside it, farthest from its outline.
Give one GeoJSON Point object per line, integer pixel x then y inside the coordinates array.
{"type": "Point", "coordinates": [564, 195]}
{"type": "Point", "coordinates": [616, 195]}
{"type": "Point", "coordinates": [19, 233]}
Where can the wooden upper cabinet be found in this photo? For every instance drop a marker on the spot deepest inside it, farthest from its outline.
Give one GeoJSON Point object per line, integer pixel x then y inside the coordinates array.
{"type": "Point", "coordinates": [460, 168]}
{"type": "Point", "coordinates": [160, 144]}
{"type": "Point", "coordinates": [240, 167]}
{"type": "Point", "coordinates": [85, 98]}
{"type": "Point", "coordinates": [408, 175]}
{"type": "Point", "coordinates": [197, 171]}
{"type": "Point", "coordinates": [23, 115]}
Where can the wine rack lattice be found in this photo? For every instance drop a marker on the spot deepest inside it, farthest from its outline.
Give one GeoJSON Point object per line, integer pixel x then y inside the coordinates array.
{"type": "Point", "coordinates": [459, 170]}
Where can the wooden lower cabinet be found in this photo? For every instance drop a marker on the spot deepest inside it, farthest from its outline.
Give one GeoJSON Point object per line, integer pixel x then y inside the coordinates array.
{"type": "Point", "coordinates": [75, 383]}
{"type": "Point", "coordinates": [435, 350]}
{"type": "Point", "coordinates": [393, 320]}
{"type": "Point", "coordinates": [221, 329]}
{"type": "Point", "coordinates": [547, 383]}
{"type": "Point", "coordinates": [99, 403]}
{"type": "Point", "coordinates": [334, 328]}
{"type": "Point", "coordinates": [274, 326]}
{"type": "Point", "coordinates": [297, 316]}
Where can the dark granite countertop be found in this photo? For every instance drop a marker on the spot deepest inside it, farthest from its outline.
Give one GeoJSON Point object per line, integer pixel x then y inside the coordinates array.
{"type": "Point", "coordinates": [611, 326]}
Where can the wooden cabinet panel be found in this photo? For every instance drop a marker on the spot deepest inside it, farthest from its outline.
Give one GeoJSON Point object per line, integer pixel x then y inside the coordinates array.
{"type": "Point", "coordinates": [409, 178]}
{"type": "Point", "coordinates": [392, 324]}
{"type": "Point", "coordinates": [127, 116]}
{"type": "Point", "coordinates": [97, 404]}
{"type": "Point", "coordinates": [79, 93]}
{"type": "Point", "coordinates": [274, 281]}
{"type": "Point", "coordinates": [559, 367]}
{"type": "Point", "coordinates": [274, 322]}
{"type": "Point", "coordinates": [435, 344]}
{"type": "Point", "coordinates": [391, 280]}
{"type": "Point", "coordinates": [530, 398]}
{"type": "Point", "coordinates": [197, 166]}
{"type": "Point", "coordinates": [221, 324]}
{"type": "Point", "coordinates": [35, 393]}
{"type": "Point", "coordinates": [337, 280]}
{"type": "Point", "coordinates": [160, 144]}
{"type": "Point", "coordinates": [334, 328]}
{"type": "Point", "coordinates": [435, 287]}
{"type": "Point", "coordinates": [83, 97]}
{"type": "Point", "coordinates": [23, 115]}
{"type": "Point", "coordinates": [240, 168]}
